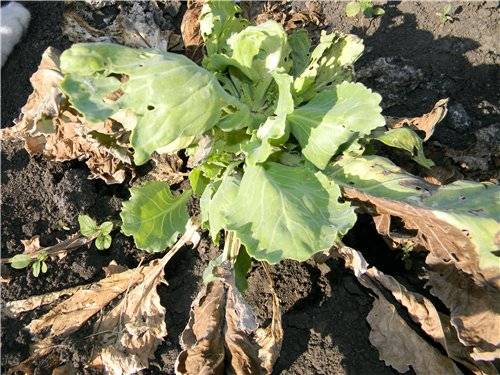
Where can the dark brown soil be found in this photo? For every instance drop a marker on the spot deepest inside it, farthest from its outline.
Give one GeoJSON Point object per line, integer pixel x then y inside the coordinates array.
{"type": "Point", "coordinates": [411, 60]}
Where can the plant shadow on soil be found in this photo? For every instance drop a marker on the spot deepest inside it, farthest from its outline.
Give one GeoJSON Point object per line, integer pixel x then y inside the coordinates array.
{"type": "Point", "coordinates": [324, 308]}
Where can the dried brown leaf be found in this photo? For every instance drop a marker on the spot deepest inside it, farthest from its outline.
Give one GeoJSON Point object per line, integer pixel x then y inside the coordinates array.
{"type": "Point", "coordinates": [68, 316]}
{"type": "Point", "coordinates": [32, 245]}
{"type": "Point", "coordinates": [470, 292]}
{"type": "Point", "coordinates": [133, 329]}
{"type": "Point", "coordinates": [14, 308]}
{"type": "Point", "coordinates": [474, 307]}
{"type": "Point", "coordinates": [51, 128]}
{"type": "Point", "coordinates": [400, 346]}
{"type": "Point", "coordinates": [135, 26]}
{"type": "Point", "coordinates": [389, 330]}
{"type": "Point", "coordinates": [289, 18]}
{"type": "Point", "coordinates": [167, 167]}
{"type": "Point", "coordinates": [425, 123]}
{"type": "Point", "coordinates": [190, 31]}
{"type": "Point", "coordinates": [222, 335]}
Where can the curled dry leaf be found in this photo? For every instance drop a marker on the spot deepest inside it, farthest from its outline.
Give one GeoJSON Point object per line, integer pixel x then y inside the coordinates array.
{"type": "Point", "coordinates": [222, 335]}
{"type": "Point", "coordinates": [425, 123]}
{"type": "Point", "coordinates": [31, 245]}
{"type": "Point", "coordinates": [45, 100]}
{"type": "Point", "coordinates": [133, 329]}
{"type": "Point", "coordinates": [14, 308]}
{"type": "Point", "coordinates": [167, 167]}
{"type": "Point", "coordinates": [389, 330]}
{"type": "Point", "coordinates": [456, 224]}
{"type": "Point", "coordinates": [68, 316]}
{"type": "Point", "coordinates": [190, 30]}
{"type": "Point", "coordinates": [138, 320]}
{"type": "Point", "coordinates": [399, 346]}
{"type": "Point", "coordinates": [51, 128]}
{"type": "Point", "coordinates": [289, 18]}
{"type": "Point", "coordinates": [138, 24]}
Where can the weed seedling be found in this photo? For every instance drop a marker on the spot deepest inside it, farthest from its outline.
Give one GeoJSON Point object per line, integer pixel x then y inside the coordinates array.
{"type": "Point", "coordinates": [365, 7]}
{"type": "Point", "coordinates": [446, 15]}
{"type": "Point", "coordinates": [101, 233]}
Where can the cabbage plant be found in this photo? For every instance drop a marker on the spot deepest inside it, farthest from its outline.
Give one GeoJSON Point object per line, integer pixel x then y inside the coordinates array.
{"type": "Point", "coordinates": [275, 131]}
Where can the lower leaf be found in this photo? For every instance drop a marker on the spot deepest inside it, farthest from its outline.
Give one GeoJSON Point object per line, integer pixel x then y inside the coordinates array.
{"type": "Point", "coordinates": [285, 212]}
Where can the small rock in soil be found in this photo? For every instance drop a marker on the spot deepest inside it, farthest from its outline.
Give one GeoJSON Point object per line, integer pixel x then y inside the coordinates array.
{"type": "Point", "coordinates": [458, 118]}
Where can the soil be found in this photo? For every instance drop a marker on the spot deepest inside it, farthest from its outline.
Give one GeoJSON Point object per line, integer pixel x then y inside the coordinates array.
{"type": "Point", "coordinates": [410, 59]}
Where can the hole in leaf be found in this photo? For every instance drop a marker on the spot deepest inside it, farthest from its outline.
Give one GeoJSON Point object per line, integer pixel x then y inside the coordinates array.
{"type": "Point", "coordinates": [151, 107]}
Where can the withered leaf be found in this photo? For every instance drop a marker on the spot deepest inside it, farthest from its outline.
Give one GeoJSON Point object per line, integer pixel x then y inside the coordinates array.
{"type": "Point", "coordinates": [399, 345]}
{"type": "Point", "coordinates": [132, 330]}
{"type": "Point", "coordinates": [14, 308]}
{"type": "Point", "coordinates": [49, 126]}
{"type": "Point", "coordinates": [222, 335]}
{"type": "Point", "coordinates": [190, 30]}
{"type": "Point", "coordinates": [31, 245]}
{"type": "Point", "coordinates": [425, 123]}
{"type": "Point", "coordinates": [289, 18]}
{"type": "Point", "coordinates": [69, 315]}
{"type": "Point", "coordinates": [455, 223]}
{"type": "Point", "coordinates": [130, 333]}
{"type": "Point", "coordinates": [136, 25]}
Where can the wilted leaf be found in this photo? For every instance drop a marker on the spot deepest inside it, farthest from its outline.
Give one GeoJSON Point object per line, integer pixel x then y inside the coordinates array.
{"type": "Point", "coordinates": [134, 26]}
{"type": "Point", "coordinates": [46, 98]}
{"type": "Point", "coordinates": [457, 224]}
{"type": "Point", "coordinates": [333, 118]}
{"type": "Point", "coordinates": [425, 123]}
{"type": "Point", "coordinates": [153, 216]}
{"type": "Point", "coordinates": [406, 139]}
{"type": "Point", "coordinates": [134, 328]}
{"type": "Point", "coordinates": [222, 335]}
{"type": "Point", "coordinates": [399, 345]}
{"type": "Point", "coordinates": [68, 316]}
{"type": "Point", "coordinates": [137, 322]}
{"type": "Point", "coordinates": [14, 308]}
{"type": "Point", "coordinates": [49, 127]}
{"type": "Point", "coordinates": [190, 30]}
{"type": "Point", "coordinates": [291, 19]}
{"type": "Point", "coordinates": [473, 307]}
{"type": "Point", "coordinates": [171, 97]}
{"type": "Point", "coordinates": [287, 212]}
{"type": "Point", "coordinates": [167, 167]}
{"type": "Point", "coordinates": [130, 333]}
{"type": "Point", "coordinates": [32, 245]}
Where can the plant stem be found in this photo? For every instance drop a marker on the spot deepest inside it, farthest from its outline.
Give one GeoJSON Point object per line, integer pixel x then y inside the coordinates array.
{"type": "Point", "coordinates": [73, 242]}
{"type": "Point", "coordinates": [231, 247]}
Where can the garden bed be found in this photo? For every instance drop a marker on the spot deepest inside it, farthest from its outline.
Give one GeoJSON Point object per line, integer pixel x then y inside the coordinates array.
{"type": "Point", "coordinates": [411, 59]}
